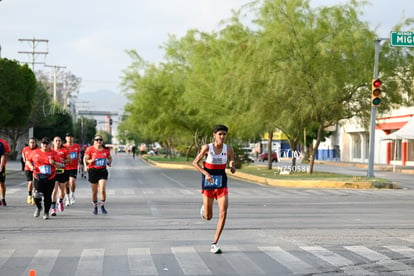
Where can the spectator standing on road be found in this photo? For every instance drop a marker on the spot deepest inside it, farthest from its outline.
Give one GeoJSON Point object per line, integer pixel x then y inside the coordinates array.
{"type": "Point", "coordinates": [72, 167]}
{"type": "Point", "coordinates": [62, 176]}
{"type": "Point", "coordinates": [43, 162]}
{"type": "Point", "coordinates": [26, 151]}
{"type": "Point", "coordinates": [97, 158]}
{"type": "Point", "coordinates": [214, 179]}
{"type": "Point", "coordinates": [134, 151]}
{"type": "Point", "coordinates": [3, 172]}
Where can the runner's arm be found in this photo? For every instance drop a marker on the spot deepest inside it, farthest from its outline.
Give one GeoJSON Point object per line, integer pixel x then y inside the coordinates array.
{"type": "Point", "coordinates": [196, 162]}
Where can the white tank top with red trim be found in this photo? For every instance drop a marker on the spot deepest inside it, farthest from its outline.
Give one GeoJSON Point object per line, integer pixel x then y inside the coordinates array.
{"type": "Point", "coordinates": [216, 161]}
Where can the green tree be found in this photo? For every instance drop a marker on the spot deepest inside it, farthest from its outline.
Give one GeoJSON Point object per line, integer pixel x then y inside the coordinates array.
{"type": "Point", "coordinates": [85, 130]}
{"type": "Point", "coordinates": [295, 68]}
{"type": "Point", "coordinates": [17, 90]}
{"type": "Point", "coordinates": [323, 62]}
{"type": "Point", "coordinates": [59, 122]}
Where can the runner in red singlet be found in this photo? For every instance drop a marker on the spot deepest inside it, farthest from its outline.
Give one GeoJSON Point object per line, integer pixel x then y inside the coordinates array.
{"type": "Point", "coordinates": [72, 167]}
{"type": "Point", "coordinates": [97, 157]}
{"type": "Point", "coordinates": [62, 176]}
{"type": "Point", "coordinates": [26, 151]}
{"type": "Point", "coordinates": [43, 162]}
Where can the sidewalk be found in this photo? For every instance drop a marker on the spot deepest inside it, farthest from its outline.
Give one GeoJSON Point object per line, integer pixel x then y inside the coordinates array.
{"type": "Point", "coordinates": [377, 167]}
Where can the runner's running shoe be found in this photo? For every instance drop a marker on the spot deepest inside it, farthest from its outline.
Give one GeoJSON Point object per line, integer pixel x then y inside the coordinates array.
{"type": "Point", "coordinates": [46, 216]}
{"type": "Point", "coordinates": [37, 212]}
{"type": "Point", "coordinates": [53, 212]}
{"type": "Point", "coordinates": [67, 203]}
{"type": "Point", "coordinates": [61, 207]}
{"type": "Point", "coordinates": [103, 210]}
{"type": "Point", "coordinates": [3, 201]}
{"type": "Point", "coordinates": [95, 210]}
{"type": "Point", "coordinates": [215, 249]}
{"type": "Point", "coordinates": [72, 199]}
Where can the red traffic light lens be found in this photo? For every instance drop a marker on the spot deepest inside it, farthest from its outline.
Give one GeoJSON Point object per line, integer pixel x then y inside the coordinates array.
{"type": "Point", "coordinates": [376, 83]}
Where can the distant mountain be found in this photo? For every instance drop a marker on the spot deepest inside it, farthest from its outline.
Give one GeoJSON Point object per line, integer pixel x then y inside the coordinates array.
{"type": "Point", "coordinates": [101, 100]}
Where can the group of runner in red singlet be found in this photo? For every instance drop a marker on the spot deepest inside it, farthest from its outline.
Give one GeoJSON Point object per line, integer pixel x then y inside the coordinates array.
{"type": "Point", "coordinates": [52, 170]}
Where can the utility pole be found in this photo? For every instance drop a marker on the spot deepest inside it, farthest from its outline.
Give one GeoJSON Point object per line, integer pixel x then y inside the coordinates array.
{"type": "Point", "coordinates": [34, 54]}
{"type": "Point", "coordinates": [55, 68]}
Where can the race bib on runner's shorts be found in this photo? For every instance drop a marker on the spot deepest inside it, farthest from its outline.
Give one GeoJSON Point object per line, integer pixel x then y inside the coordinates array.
{"type": "Point", "coordinates": [215, 184]}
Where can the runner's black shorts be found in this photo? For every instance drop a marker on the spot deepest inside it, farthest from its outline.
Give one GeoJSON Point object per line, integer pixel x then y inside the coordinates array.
{"type": "Point", "coordinates": [29, 175]}
{"type": "Point", "coordinates": [62, 177]}
{"type": "Point", "coordinates": [72, 173]}
{"type": "Point", "coordinates": [94, 175]}
{"type": "Point", "coordinates": [3, 175]}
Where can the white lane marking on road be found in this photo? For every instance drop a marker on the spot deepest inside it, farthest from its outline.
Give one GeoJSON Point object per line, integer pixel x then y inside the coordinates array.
{"type": "Point", "coordinates": [174, 180]}
{"type": "Point", "coordinates": [288, 260]}
{"type": "Point", "coordinates": [11, 191]}
{"type": "Point", "coordinates": [403, 250]}
{"type": "Point", "coordinates": [336, 260]}
{"type": "Point", "coordinates": [382, 260]}
{"type": "Point", "coordinates": [91, 262]}
{"type": "Point", "coordinates": [153, 208]}
{"type": "Point", "coordinates": [5, 254]}
{"type": "Point", "coordinates": [43, 261]}
{"type": "Point", "coordinates": [241, 262]}
{"type": "Point", "coordinates": [140, 262]}
{"type": "Point", "coordinates": [190, 262]}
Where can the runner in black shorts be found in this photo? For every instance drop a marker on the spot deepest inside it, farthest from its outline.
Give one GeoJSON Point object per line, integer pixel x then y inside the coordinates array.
{"type": "Point", "coordinates": [26, 151]}
{"type": "Point", "coordinates": [62, 176]}
{"type": "Point", "coordinates": [97, 158]}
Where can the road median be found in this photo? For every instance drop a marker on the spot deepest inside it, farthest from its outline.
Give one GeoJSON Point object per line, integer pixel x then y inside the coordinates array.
{"type": "Point", "coordinates": [294, 183]}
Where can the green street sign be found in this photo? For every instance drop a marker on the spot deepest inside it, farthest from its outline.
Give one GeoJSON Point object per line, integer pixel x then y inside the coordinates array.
{"type": "Point", "coordinates": [402, 39]}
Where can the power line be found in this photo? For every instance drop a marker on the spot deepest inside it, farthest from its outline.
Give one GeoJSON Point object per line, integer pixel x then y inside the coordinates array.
{"type": "Point", "coordinates": [55, 68]}
{"type": "Point", "coordinates": [34, 54]}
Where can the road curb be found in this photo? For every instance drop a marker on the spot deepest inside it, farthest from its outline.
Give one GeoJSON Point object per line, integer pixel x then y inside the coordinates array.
{"type": "Point", "coordinates": [325, 184]}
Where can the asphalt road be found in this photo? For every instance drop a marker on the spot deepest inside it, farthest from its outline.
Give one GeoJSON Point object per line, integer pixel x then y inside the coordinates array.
{"type": "Point", "coordinates": [153, 227]}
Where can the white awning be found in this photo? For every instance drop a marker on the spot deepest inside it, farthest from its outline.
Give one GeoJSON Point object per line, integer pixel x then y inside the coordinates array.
{"type": "Point", "coordinates": [406, 132]}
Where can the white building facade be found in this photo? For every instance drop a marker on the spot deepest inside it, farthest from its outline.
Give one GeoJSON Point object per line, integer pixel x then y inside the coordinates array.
{"type": "Point", "coordinates": [350, 141]}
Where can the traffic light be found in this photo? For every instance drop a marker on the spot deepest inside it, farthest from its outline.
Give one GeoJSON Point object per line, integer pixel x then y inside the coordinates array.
{"type": "Point", "coordinates": [376, 92]}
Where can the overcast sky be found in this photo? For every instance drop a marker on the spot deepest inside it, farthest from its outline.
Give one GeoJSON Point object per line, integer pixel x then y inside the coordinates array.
{"type": "Point", "coordinates": [90, 37]}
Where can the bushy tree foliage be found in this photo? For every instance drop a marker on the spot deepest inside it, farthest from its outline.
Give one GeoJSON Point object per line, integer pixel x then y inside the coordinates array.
{"type": "Point", "coordinates": [293, 67]}
{"type": "Point", "coordinates": [17, 90]}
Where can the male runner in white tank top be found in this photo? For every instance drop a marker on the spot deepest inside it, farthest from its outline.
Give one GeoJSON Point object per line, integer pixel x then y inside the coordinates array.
{"type": "Point", "coordinates": [214, 179]}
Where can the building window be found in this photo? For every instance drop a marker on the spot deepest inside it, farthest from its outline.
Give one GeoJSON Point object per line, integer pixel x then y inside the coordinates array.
{"type": "Point", "coordinates": [396, 150]}
{"type": "Point", "coordinates": [356, 149]}
{"type": "Point", "coordinates": [410, 154]}
{"type": "Point", "coordinates": [366, 152]}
